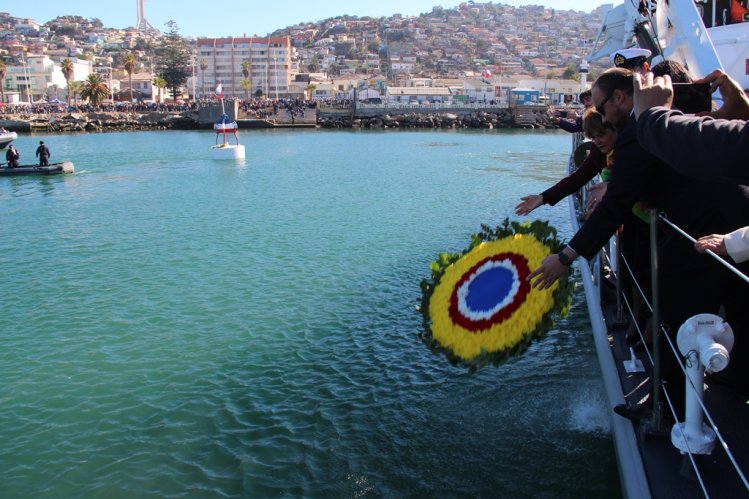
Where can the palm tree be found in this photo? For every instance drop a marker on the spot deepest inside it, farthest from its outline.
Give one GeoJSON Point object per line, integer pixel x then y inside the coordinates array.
{"type": "Point", "coordinates": [2, 80]}
{"type": "Point", "coordinates": [94, 89]}
{"type": "Point", "coordinates": [130, 63]}
{"type": "Point", "coordinates": [203, 67]}
{"type": "Point", "coordinates": [160, 83]}
{"type": "Point", "coordinates": [246, 86]}
{"type": "Point", "coordinates": [310, 90]}
{"type": "Point", "coordinates": [67, 71]}
{"type": "Point", "coordinates": [75, 87]}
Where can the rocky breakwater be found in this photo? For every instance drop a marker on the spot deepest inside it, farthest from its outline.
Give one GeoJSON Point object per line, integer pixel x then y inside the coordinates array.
{"type": "Point", "coordinates": [485, 120]}
{"type": "Point", "coordinates": [99, 122]}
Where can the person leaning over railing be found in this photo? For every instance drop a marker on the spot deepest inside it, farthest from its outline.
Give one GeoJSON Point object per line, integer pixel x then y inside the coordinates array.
{"type": "Point", "coordinates": [604, 136]}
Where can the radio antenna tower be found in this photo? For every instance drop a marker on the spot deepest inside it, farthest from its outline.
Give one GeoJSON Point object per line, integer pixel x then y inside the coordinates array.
{"type": "Point", "coordinates": [143, 25]}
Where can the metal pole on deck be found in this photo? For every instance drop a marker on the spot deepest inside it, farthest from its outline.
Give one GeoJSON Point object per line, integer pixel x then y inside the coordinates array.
{"type": "Point", "coordinates": [619, 319]}
{"type": "Point", "coordinates": [657, 416]}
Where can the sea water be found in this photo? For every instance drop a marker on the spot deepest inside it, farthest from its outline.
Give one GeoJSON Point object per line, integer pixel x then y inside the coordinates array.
{"type": "Point", "coordinates": [177, 326]}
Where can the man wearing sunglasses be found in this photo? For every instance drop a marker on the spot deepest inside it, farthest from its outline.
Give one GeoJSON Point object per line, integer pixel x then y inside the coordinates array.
{"type": "Point", "coordinates": [612, 98]}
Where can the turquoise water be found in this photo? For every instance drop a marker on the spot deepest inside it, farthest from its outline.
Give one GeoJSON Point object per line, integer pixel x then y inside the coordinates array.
{"type": "Point", "coordinates": [178, 326]}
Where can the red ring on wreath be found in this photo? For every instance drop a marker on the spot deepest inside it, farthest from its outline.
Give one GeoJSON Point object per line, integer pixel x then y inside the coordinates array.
{"type": "Point", "coordinates": [521, 265]}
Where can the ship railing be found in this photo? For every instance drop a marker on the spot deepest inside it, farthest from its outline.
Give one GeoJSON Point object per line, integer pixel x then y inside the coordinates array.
{"type": "Point", "coordinates": [620, 265]}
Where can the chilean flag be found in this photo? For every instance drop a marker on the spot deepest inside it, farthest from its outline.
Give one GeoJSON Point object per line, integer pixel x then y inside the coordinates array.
{"type": "Point", "coordinates": [219, 91]}
{"type": "Point", "coordinates": [487, 74]}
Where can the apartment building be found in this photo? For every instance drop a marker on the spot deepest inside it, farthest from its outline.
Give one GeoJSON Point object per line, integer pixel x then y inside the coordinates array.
{"type": "Point", "coordinates": [39, 77]}
{"type": "Point", "coordinates": [270, 65]}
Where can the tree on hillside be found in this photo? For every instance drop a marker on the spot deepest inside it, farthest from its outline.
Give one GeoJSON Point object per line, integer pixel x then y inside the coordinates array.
{"type": "Point", "coordinates": [67, 71]}
{"type": "Point", "coordinates": [143, 45]}
{"type": "Point", "coordinates": [570, 73]}
{"type": "Point", "coordinates": [130, 64]}
{"type": "Point", "coordinates": [94, 89]}
{"type": "Point", "coordinates": [173, 60]}
{"type": "Point", "coordinates": [314, 65]}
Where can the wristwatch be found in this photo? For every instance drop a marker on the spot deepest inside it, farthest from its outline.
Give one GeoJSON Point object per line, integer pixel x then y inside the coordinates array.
{"type": "Point", "coordinates": [566, 261]}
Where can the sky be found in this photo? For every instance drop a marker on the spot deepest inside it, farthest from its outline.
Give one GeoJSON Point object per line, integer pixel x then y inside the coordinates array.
{"type": "Point", "coordinates": [244, 17]}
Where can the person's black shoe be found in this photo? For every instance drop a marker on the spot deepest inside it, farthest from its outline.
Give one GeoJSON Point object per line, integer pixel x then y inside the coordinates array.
{"type": "Point", "coordinates": [633, 413]}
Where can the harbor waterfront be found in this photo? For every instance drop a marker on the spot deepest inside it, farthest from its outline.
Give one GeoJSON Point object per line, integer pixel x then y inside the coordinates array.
{"type": "Point", "coordinates": [348, 115]}
{"type": "Point", "coordinates": [179, 326]}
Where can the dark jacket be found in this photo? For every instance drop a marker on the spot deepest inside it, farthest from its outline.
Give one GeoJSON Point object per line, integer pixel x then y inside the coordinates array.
{"type": "Point", "coordinates": [42, 150]}
{"type": "Point", "coordinates": [593, 164]}
{"type": "Point", "coordinates": [698, 207]}
{"type": "Point", "coordinates": [571, 126]}
{"type": "Point", "coordinates": [697, 146]}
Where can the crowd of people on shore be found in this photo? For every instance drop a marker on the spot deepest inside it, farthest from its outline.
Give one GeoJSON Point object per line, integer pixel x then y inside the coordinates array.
{"type": "Point", "coordinates": [57, 108]}
{"type": "Point", "coordinates": [693, 168]}
{"type": "Point", "coordinates": [263, 108]}
{"type": "Point", "coordinates": [256, 107]}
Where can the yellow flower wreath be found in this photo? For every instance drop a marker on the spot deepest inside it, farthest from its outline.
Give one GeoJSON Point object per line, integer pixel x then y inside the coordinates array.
{"type": "Point", "coordinates": [508, 313]}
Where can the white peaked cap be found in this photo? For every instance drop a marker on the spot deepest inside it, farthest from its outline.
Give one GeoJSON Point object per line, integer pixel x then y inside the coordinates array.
{"type": "Point", "coordinates": [629, 58]}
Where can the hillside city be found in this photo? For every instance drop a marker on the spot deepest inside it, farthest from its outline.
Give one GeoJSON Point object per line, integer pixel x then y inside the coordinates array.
{"type": "Point", "coordinates": [473, 43]}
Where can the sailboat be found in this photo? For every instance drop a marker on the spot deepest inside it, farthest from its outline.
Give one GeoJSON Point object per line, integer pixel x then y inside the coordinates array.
{"type": "Point", "coordinates": [224, 127]}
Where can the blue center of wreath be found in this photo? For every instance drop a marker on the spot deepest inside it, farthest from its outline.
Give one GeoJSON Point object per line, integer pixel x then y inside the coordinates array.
{"type": "Point", "coordinates": [488, 289]}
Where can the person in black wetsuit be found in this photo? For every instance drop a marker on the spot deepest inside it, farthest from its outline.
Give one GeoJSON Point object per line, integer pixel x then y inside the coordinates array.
{"type": "Point", "coordinates": [43, 154]}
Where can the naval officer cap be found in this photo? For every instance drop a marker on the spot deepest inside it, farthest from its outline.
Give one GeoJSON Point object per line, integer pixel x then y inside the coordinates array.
{"type": "Point", "coordinates": [629, 58]}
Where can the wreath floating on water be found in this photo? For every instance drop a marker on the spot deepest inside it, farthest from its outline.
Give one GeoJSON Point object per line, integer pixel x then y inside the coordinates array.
{"type": "Point", "coordinates": [479, 308]}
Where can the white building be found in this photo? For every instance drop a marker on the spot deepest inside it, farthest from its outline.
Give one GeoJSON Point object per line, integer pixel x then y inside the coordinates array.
{"type": "Point", "coordinates": [479, 90]}
{"type": "Point", "coordinates": [270, 65]}
{"type": "Point", "coordinates": [143, 88]}
{"type": "Point", "coordinates": [38, 77]}
{"type": "Point", "coordinates": [418, 95]}
{"type": "Point", "coordinates": [324, 91]}
{"type": "Point", "coordinates": [557, 91]}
